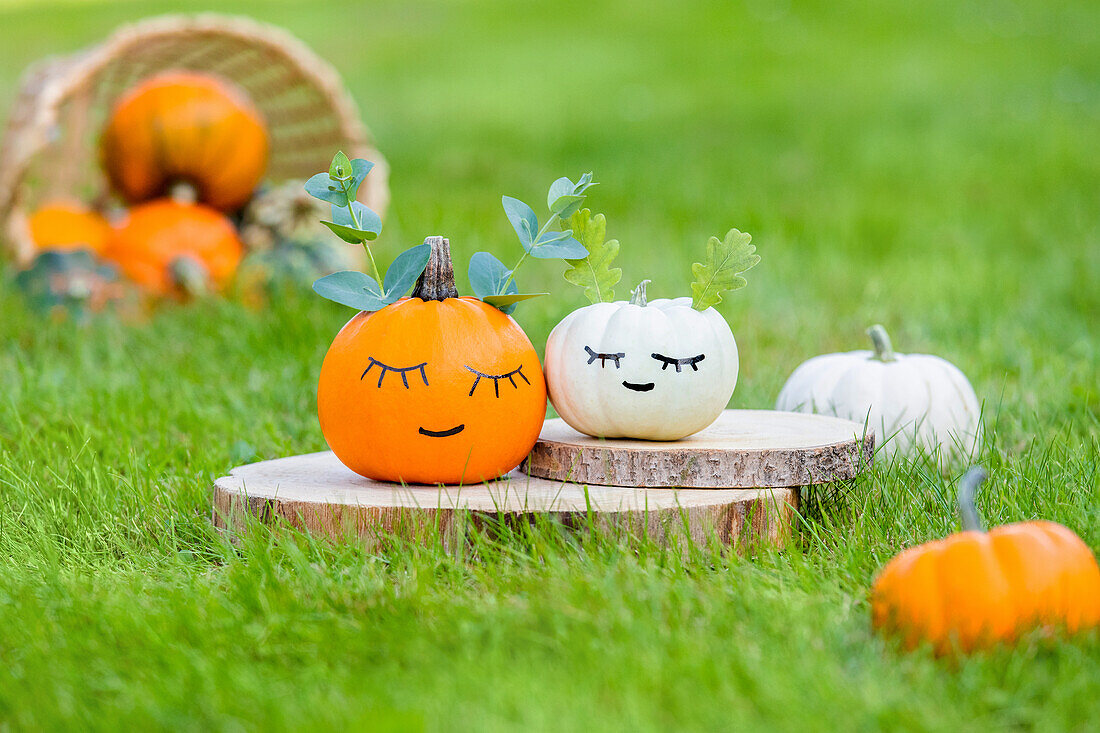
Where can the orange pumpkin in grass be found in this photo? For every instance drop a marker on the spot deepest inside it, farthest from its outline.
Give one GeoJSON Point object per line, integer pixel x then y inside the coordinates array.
{"type": "Point", "coordinates": [63, 225]}
{"type": "Point", "coordinates": [185, 127]}
{"type": "Point", "coordinates": [433, 388]}
{"type": "Point", "coordinates": [976, 588]}
{"type": "Point", "coordinates": [169, 246]}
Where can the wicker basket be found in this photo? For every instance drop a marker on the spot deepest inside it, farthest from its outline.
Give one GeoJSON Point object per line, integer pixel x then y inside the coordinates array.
{"type": "Point", "coordinates": [50, 146]}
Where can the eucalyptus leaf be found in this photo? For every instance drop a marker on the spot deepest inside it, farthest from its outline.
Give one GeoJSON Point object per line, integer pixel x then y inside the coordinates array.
{"type": "Point", "coordinates": [340, 169]}
{"type": "Point", "coordinates": [351, 288]}
{"type": "Point", "coordinates": [567, 205]}
{"type": "Point", "coordinates": [359, 170]}
{"type": "Point", "coordinates": [350, 235]}
{"type": "Point", "coordinates": [487, 276]}
{"type": "Point", "coordinates": [368, 220]}
{"type": "Point", "coordinates": [561, 187]}
{"type": "Point", "coordinates": [523, 220]}
{"type": "Point", "coordinates": [504, 301]}
{"type": "Point", "coordinates": [584, 183]}
{"type": "Point", "coordinates": [566, 249]}
{"type": "Point", "coordinates": [321, 186]}
{"type": "Point", "coordinates": [405, 269]}
{"type": "Point", "coordinates": [550, 237]}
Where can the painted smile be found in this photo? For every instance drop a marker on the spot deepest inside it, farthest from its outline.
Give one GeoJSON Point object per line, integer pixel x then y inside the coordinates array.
{"type": "Point", "coordinates": [443, 433]}
{"type": "Point", "coordinates": [639, 387]}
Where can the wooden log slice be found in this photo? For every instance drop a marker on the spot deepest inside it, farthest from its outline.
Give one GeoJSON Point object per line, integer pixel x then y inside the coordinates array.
{"type": "Point", "coordinates": [316, 493]}
{"type": "Point", "coordinates": [742, 449]}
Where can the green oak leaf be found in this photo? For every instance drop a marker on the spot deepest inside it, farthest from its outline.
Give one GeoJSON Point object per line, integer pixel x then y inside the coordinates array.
{"type": "Point", "coordinates": [594, 272]}
{"type": "Point", "coordinates": [726, 260]}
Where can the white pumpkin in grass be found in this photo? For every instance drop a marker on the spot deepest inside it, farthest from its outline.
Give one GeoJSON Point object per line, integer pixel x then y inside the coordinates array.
{"type": "Point", "coordinates": [914, 403]}
{"type": "Point", "coordinates": [656, 370]}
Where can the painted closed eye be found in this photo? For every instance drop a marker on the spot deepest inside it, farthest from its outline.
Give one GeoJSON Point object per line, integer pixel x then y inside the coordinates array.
{"type": "Point", "coordinates": [593, 355]}
{"type": "Point", "coordinates": [384, 369]}
{"type": "Point", "coordinates": [510, 376]}
{"type": "Point", "coordinates": [667, 361]}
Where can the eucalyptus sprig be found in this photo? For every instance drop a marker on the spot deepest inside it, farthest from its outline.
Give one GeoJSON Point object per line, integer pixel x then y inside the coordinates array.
{"type": "Point", "coordinates": [493, 281]}
{"type": "Point", "coordinates": [355, 223]}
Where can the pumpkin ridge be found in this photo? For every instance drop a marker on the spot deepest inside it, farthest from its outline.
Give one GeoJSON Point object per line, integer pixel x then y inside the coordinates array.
{"type": "Point", "coordinates": [1080, 576]}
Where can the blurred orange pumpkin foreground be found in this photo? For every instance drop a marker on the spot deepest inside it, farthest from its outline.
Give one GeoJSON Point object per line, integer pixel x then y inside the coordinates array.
{"type": "Point", "coordinates": [975, 589]}
{"type": "Point", "coordinates": [170, 246]}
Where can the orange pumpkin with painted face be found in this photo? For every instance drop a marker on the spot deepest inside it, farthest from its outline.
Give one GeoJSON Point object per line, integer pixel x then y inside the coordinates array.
{"type": "Point", "coordinates": [433, 389]}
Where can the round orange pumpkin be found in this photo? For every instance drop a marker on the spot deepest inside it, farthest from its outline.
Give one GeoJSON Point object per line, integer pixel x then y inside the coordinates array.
{"type": "Point", "coordinates": [975, 588]}
{"type": "Point", "coordinates": [62, 225]}
{"type": "Point", "coordinates": [185, 127]}
{"type": "Point", "coordinates": [169, 246]}
{"type": "Point", "coordinates": [433, 389]}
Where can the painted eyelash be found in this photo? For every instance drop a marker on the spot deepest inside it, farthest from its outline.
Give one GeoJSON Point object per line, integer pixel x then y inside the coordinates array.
{"type": "Point", "coordinates": [403, 371]}
{"type": "Point", "coordinates": [510, 376]}
{"type": "Point", "coordinates": [592, 356]}
{"type": "Point", "coordinates": [679, 363]}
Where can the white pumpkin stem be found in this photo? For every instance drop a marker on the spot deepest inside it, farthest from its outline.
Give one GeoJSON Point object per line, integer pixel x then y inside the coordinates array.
{"type": "Point", "coordinates": [637, 295]}
{"type": "Point", "coordinates": [884, 350]}
{"type": "Point", "coordinates": [968, 490]}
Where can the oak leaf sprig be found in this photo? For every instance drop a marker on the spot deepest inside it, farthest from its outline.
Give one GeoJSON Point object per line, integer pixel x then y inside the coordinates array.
{"type": "Point", "coordinates": [355, 223]}
{"type": "Point", "coordinates": [492, 280]}
{"type": "Point", "coordinates": [726, 259]}
{"type": "Point", "coordinates": [593, 272]}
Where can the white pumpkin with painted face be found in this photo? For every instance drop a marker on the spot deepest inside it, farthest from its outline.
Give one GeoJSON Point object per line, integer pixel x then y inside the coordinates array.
{"type": "Point", "coordinates": [656, 370]}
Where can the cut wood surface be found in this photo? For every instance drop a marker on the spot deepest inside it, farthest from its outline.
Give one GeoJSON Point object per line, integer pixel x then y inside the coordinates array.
{"type": "Point", "coordinates": [742, 449]}
{"type": "Point", "coordinates": [315, 492]}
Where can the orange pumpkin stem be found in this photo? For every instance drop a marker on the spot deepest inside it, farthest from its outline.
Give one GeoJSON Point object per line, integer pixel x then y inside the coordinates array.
{"type": "Point", "coordinates": [183, 192]}
{"type": "Point", "coordinates": [968, 490]}
{"type": "Point", "coordinates": [190, 276]}
{"type": "Point", "coordinates": [437, 282]}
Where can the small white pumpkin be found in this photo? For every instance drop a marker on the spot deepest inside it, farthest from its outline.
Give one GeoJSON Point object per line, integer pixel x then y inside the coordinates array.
{"type": "Point", "coordinates": [914, 403]}
{"type": "Point", "coordinates": [656, 370]}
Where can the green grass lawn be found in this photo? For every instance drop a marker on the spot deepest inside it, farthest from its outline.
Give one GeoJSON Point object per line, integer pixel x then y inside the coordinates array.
{"type": "Point", "coordinates": [931, 166]}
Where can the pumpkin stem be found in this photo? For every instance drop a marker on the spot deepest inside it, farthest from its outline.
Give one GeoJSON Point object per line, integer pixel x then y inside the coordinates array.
{"type": "Point", "coordinates": [437, 282]}
{"type": "Point", "coordinates": [190, 276]}
{"type": "Point", "coordinates": [884, 351]}
{"type": "Point", "coordinates": [183, 192]}
{"type": "Point", "coordinates": [637, 295]}
{"type": "Point", "coordinates": [968, 489]}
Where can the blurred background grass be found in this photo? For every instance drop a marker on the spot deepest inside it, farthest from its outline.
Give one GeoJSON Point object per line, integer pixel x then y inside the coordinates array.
{"type": "Point", "coordinates": [932, 166]}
